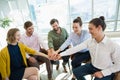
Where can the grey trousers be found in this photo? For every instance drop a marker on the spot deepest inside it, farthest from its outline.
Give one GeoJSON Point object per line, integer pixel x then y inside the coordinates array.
{"type": "Point", "coordinates": [39, 60]}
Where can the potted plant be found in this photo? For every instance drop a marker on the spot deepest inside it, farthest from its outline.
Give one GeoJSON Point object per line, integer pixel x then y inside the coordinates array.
{"type": "Point", "coordinates": [5, 22]}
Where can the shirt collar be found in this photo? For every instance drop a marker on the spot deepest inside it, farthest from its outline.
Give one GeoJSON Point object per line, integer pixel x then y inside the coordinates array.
{"type": "Point", "coordinates": [28, 36]}
{"type": "Point", "coordinates": [60, 29]}
{"type": "Point", "coordinates": [103, 41]}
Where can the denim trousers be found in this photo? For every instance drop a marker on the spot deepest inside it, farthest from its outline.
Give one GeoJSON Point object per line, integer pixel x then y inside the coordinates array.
{"type": "Point", "coordinates": [87, 69]}
{"type": "Point", "coordinates": [79, 57]}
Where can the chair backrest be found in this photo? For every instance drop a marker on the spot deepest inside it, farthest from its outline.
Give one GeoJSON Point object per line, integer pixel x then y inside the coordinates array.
{"type": "Point", "coordinates": [117, 76]}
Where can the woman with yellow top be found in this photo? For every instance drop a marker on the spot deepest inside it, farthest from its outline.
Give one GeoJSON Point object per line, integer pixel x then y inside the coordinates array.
{"type": "Point", "coordinates": [13, 65]}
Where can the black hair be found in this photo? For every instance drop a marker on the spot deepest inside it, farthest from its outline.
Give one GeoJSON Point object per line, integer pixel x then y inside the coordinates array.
{"type": "Point", "coordinates": [99, 21]}
{"type": "Point", "coordinates": [78, 20]}
{"type": "Point", "coordinates": [53, 21]}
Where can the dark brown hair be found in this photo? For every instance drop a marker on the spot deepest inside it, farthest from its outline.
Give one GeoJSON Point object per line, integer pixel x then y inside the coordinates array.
{"type": "Point", "coordinates": [27, 24]}
{"type": "Point", "coordinates": [53, 21]}
{"type": "Point", "coordinates": [99, 21]}
{"type": "Point", "coordinates": [78, 20]}
{"type": "Point", "coordinates": [11, 35]}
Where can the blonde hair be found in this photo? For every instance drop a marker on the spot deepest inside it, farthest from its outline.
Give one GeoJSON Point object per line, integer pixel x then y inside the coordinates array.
{"type": "Point", "coordinates": [11, 35]}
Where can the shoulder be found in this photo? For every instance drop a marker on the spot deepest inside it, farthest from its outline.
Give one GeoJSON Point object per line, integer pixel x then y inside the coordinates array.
{"type": "Point", "coordinates": [35, 34]}
{"type": "Point", "coordinates": [63, 29]}
{"type": "Point", "coordinates": [3, 51]}
{"type": "Point", "coordinates": [72, 34]}
{"type": "Point", "coordinates": [21, 45]}
{"type": "Point", "coordinates": [50, 32]}
{"type": "Point", "coordinates": [23, 35]}
{"type": "Point", "coordinates": [111, 42]}
{"type": "Point", "coordinates": [112, 45]}
{"type": "Point", "coordinates": [85, 31]}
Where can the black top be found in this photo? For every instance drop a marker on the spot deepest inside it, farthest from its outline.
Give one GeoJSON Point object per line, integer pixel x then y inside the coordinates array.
{"type": "Point", "coordinates": [17, 66]}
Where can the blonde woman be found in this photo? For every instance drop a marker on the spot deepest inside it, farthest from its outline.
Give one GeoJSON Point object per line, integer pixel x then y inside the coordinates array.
{"type": "Point", "coordinates": [13, 65]}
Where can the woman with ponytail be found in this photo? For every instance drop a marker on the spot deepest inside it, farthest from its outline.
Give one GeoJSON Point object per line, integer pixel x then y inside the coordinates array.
{"type": "Point", "coordinates": [77, 37]}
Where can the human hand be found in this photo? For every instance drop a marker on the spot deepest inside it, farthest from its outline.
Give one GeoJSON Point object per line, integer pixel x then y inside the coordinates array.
{"type": "Point", "coordinates": [98, 74]}
{"type": "Point", "coordinates": [52, 54]}
{"type": "Point", "coordinates": [49, 54]}
{"type": "Point", "coordinates": [6, 78]}
{"type": "Point", "coordinates": [58, 57]}
{"type": "Point", "coordinates": [57, 51]}
{"type": "Point", "coordinates": [32, 59]}
{"type": "Point", "coordinates": [55, 57]}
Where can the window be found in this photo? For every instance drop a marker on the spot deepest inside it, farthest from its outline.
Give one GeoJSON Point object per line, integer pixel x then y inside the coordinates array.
{"type": "Point", "coordinates": [118, 26]}
{"type": "Point", "coordinates": [82, 9]}
{"type": "Point", "coordinates": [110, 26]}
{"type": "Point", "coordinates": [47, 11]}
{"type": "Point", "coordinates": [105, 8]}
{"type": "Point", "coordinates": [42, 11]}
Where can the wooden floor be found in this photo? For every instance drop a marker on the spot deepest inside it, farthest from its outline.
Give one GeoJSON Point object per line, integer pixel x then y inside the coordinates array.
{"type": "Point", "coordinates": [57, 74]}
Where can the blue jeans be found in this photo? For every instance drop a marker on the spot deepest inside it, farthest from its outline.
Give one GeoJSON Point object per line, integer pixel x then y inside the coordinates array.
{"type": "Point", "coordinates": [86, 69]}
{"type": "Point", "coordinates": [79, 57]}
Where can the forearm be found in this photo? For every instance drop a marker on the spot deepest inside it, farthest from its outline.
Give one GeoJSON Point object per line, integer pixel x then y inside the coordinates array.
{"type": "Point", "coordinates": [52, 50]}
{"type": "Point", "coordinates": [41, 54]}
{"type": "Point", "coordinates": [57, 51]}
{"type": "Point", "coordinates": [74, 49]}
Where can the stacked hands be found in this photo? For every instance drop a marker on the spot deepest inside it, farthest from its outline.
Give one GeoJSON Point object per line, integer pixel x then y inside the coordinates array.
{"type": "Point", "coordinates": [54, 56]}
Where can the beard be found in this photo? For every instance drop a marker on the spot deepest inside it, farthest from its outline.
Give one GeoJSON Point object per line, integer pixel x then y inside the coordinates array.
{"type": "Point", "coordinates": [56, 29]}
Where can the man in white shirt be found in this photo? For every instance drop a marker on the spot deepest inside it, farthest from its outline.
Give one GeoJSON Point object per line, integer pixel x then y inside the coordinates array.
{"type": "Point", "coordinates": [105, 54]}
{"type": "Point", "coordinates": [34, 41]}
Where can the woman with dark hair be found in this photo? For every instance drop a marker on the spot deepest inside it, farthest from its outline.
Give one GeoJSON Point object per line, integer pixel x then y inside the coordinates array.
{"type": "Point", "coordinates": [77, 37]}
{"type": "Point", "coordinates": [105, 54]}
{"type": "Point", "coordinates": [13, 65]}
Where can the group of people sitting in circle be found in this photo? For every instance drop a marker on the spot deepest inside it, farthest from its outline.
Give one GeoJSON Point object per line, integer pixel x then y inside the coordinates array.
{"type": "Point", "coordinates": [21, 58]}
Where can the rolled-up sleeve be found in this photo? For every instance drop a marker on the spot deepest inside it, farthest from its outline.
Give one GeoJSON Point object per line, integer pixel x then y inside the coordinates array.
{"type": "Point", "coordinates": [50, 40]}
{"type": "Point", "coordinates": [66, 43]}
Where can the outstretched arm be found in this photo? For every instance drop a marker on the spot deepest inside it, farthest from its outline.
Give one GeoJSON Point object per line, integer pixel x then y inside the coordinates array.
{"type": "Point", "coordinates": [41, 54]}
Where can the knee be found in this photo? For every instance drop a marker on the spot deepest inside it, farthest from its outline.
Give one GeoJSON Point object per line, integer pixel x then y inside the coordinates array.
{"type": "Point", "coordinates": [77, 72]}
{"type": "Point", "coordinates": [35, 70]}
{"type": "Point", "coordinates": [34, 77]}
{"type": "Point", "coordinates": [73, 63]}
{"type": "Point", "coordinates": [32, 60]}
